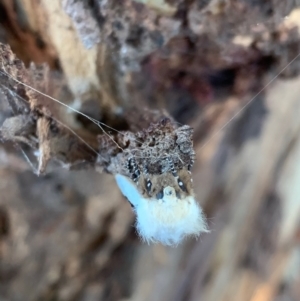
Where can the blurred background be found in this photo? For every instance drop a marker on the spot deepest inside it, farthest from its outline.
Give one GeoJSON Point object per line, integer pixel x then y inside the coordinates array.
{"type": "Point", "coordinates": [231, 70]}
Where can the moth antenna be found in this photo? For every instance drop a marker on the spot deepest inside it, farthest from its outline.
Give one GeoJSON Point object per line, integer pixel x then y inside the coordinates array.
{"type": "Point", "coordinates": [100, 124]}
{"type": "Point", "coordinates": [36, 115]}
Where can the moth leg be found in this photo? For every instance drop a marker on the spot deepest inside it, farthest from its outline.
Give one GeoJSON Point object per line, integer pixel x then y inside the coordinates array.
{"type": "Point", "coordinates": [193, 158]}
{"type": "Point", "coordinates": [148, 182]}
{"type": "Point", "coordinates": [175, 175]}
{"type": "Point", "coordinates": [172, 167]}
{"type": "Point", "coordinates": [133, 169]}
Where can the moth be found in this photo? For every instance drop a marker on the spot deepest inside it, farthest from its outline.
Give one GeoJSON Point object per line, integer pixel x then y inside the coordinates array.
{"type": "Point", "coordinates": [156, 179]}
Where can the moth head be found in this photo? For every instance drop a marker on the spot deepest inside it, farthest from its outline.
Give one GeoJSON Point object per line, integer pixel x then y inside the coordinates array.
{"type": "Point", "coordinates": [165, 206]}
{"type": "Point", "coordinates": [153, 186]}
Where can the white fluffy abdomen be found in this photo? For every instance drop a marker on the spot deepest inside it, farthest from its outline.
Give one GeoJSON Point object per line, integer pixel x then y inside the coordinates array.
{"type": "Point", "coordinates": [167, 220]}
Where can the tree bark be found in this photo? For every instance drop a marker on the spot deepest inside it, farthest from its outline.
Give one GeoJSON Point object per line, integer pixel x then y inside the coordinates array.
{"type": "Point", "coordinates": [231, 70]}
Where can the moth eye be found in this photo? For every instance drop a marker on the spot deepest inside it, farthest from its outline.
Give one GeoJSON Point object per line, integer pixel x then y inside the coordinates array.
{"type": "Point", "coordinates": [160, 195]}
{"type": "Point", "coordinates": [148, 185]}
{"type": "Point", "coordinates": [181, 185]}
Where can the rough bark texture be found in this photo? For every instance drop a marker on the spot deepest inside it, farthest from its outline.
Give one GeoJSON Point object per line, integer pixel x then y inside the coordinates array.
{"type": "Point", "coordinates": [68, 235]}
